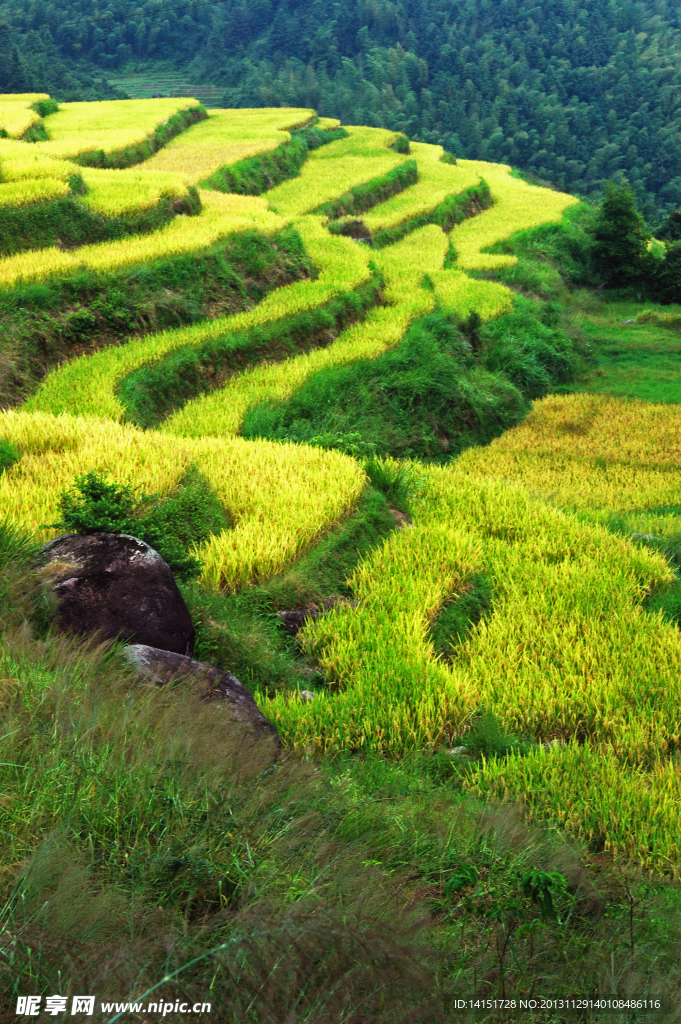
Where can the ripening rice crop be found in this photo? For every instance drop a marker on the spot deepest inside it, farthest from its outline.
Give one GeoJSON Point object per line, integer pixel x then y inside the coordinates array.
{"type": "Point", "coordinates": [632, 814]}
{"type": "Point", "coordinates": [87, 386]}
{"type": "Point", "coordinates": [332, 170]}
{"type": "Point", "coordinates": [590, 452]}
{"type": "Point", "coordinates": [517, 207]}
{"type": "Point", "coordinates": [226, 137]}
{"type": "Point", "coordinates": [16, 116]}
{"type": "Point", "coordinates": [222, 412]}
{"type": "Point", "coordinates": [280, 497]}
{"type": "Point", "coordinates": [222, 215]}
{"type": "Point", "coordinates": [21, 160]}
{"type": "Point", "coordinates": [35, 190]}
{"type": "Point", "coordinates": [458, 293]}
{"type": "Point", "coordinates": [567, 652]}
{"type": "Point", "coordinates": [109, 125]}
{"type": "Point", "coordinates": [436, 182]}
{"type": "Point", "coordinates": [115, 193]}
{"type": "Point", "coordinates": [387, 691]}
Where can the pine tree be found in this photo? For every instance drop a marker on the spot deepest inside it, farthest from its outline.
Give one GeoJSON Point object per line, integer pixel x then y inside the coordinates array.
{"type": "Point", "coordinates": [620, 239]}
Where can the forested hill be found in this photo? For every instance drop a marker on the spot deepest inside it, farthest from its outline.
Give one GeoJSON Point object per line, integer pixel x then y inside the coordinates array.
{"type": "Point", "coordinates": [576, 91]}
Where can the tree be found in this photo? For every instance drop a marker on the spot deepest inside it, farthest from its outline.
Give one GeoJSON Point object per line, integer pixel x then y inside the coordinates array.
{"type": "Point", "coordinates": [620, 239]}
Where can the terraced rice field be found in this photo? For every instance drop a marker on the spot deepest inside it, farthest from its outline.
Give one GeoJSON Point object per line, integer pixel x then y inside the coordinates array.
{"type": "Point", "coordinates": [568, 654]}
{"type": "Point", "coordinates": [226, 137]}
{"type": "Point", "coordinates": [16, 115]}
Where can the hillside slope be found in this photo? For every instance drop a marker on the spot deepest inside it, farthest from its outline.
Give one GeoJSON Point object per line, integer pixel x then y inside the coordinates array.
{"type": "Point", "coordinates": [573, 90]}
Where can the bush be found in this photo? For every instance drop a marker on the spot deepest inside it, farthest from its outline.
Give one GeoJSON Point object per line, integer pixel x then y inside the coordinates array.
{"type": "Point", "coordinates": [172, 526]}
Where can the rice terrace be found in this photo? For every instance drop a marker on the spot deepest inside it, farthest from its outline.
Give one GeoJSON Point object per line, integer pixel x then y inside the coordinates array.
{"type": "Point", "coordinates": [413, 456]}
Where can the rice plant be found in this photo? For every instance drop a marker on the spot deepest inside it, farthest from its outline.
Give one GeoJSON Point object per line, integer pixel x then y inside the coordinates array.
{"type": "Point", "coordinates": [87, 386]}
{"type": "Point", "coordinates": [517, 207]}
{"type": "Point", "coordinates": [280, 497]}
{"type": "Point", "coordinates": [222, 215]}
{"type": "Point", "coordinates": [16, 113]}
{"type": "Point", "coordinates": [226, 137]}
{"type": "Point", "coordinates": [436, 180]}
{"type": "Point", "coordinates": [335, 169]}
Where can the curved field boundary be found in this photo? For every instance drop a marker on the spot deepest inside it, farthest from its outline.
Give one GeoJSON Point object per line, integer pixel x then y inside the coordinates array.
{"type": "Point", "coordinates": [517, 206]}
{"type": "Point", "coordinates": [87, 386]}
{"type": "Point", "coordinates": [281, 497]}
{"type": "Point", "coordinates": [436, 181]}
{"type": "Point", "coordinates": [225, 138]}
{"type": "Point", "coordinates": [403, 267]}
{"type": "Point", "coordinates": [363, 197]}
{"type": "Point", "coordinates": [221, 215]}
{"type": "Point", "coordinates": [66, 220]}
{"type": "Point", "coordinates": [333, 170]}
{"type": "Point", "coordinates": [103, 131]}
{"type": "Point", "coordinates": [222, 412]}
{"type": "Point", "coordinates": [16, 113]}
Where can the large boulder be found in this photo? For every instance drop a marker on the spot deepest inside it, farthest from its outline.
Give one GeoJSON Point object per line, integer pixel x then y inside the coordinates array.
{"type": "Point", "coordinates": [117, 585]}
{"type": "Point", "coordinates": [164, 667]}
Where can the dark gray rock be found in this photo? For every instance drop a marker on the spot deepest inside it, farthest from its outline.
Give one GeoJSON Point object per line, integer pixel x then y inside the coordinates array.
{"type": "Point", "coordinates": [117, 585]}
{"type": "Point", "coordinates": [164, 667]}
{"type": "Point", "coordinates": [293, 620]}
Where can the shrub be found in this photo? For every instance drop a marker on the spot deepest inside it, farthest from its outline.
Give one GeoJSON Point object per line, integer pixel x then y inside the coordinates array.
{"type": "Point", "coordinates": [169, 525]}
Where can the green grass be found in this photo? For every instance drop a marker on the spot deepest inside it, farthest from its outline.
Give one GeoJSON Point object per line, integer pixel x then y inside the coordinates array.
{"type": "Point", "coordinates": [45, 324]}
{"type": "Point", "coordinates": [431, 397]}
{"type": "Point", "coordinates": [153, 392]}
{"type": "Point", "coordinates": [639, 360]}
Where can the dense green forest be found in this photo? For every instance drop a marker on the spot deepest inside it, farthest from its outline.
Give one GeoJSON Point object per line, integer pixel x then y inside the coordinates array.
{"type": "Point", "coordinates": [575, 91]}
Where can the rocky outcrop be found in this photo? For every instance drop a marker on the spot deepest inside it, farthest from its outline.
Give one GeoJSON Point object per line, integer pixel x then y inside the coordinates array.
{"type": "Point", "coordinates": [117, 585]}
{"type": "Point", "coordinates": [163, 668]}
